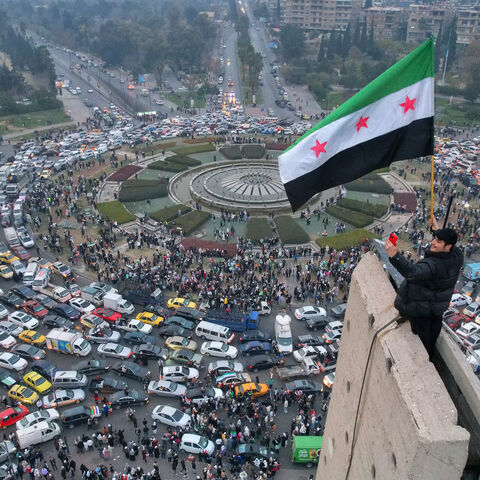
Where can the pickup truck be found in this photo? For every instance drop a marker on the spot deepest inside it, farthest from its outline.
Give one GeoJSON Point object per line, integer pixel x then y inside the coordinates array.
{"type": "Point", "coordinates": [142, 296]}
{"type": "Point", "coordinates": [134, 326]}
{"type": "Point", "coordinates": [235, 321]}
{"type": "Point", "coordinates": [308, 367]}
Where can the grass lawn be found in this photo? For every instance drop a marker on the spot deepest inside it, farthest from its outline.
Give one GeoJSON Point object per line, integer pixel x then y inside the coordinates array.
{"type": "Point", "coordinates": [182, 99]}
{"type": "Point", "coordinates": [347, 239]}
{"type": "Point", "coordinates": [258, 229]}
{"type": "Point", "coordinates": [289, 231]}
{"type": "Point", "coordinates": [460, 112]}
{"type": "Point", "coordinates": [198, 148]}
{"type": "Point", "coordinates": [115, 211]}
{"type": "Point", "coordinates": [334, 99]}
{"type": "Point", "coordinates": [12, 123]}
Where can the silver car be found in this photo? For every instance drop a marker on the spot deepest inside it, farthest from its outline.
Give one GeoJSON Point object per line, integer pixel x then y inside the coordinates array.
{"type": "Point", "coordinates": [166, 388]}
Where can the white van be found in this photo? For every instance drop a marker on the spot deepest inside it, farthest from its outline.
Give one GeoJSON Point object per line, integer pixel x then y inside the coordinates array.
{"type": "Point", "coordinates": [41, 279]}
{"type": "Point", "coordinates": [30, 273]}
{"type": "Point", "coordinates": [283, 333]}
{"type": "Point", "coordinates": [38, 433]}
{"type": "Point", "coordinates": [212, 331]}
{"type": "Point", "coordinates": [69, 379]}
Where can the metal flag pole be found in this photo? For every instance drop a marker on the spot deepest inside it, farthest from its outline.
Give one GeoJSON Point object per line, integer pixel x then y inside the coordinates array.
{"type": "Point", "coordinates": [448, 211]}
{"type": "Point", "coordinates": [432, 173]}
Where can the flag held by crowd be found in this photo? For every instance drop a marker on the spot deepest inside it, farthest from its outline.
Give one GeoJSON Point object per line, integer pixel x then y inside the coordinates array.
{"type": "Point", "coordinates": [391, 119]}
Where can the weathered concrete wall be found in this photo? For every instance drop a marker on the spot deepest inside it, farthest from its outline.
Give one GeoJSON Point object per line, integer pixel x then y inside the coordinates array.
{"type": "Point", "coordinates": [407, 425]}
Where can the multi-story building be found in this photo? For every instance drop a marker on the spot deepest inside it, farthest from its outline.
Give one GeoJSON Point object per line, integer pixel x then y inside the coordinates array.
{"type": "Point", "coordinates": [468, 25]}
{"type": "Point", "coordinates": [322, 15]}
{"type": "Point", "coordinates": [388, 22]}
{"type": "Point", "coordinates": [425, 20]}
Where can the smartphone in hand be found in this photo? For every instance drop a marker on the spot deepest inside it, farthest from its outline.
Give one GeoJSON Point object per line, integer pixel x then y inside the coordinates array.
{"type": "Point", "coordinates": [393, 238]}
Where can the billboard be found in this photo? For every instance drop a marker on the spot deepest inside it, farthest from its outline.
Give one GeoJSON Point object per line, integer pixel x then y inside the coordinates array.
{"type": "Point", "coordinates": [142, 78]}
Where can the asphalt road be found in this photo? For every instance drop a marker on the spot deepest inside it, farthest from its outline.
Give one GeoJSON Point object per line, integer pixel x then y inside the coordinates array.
{"type": "Point", "coordinates": [232, 66]}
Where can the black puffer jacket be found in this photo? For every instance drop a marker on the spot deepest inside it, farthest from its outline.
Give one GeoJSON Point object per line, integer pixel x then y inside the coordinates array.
{"type": "Point", "coordinates": [429, 284]}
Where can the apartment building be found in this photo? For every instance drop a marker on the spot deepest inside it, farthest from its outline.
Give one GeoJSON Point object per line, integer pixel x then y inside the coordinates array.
{"type": "Point", "coordinates": [468, 25]}
{"type": "Point", "coordinates": [425, 20]}
{"type": "Point", "coordinates": [389, 22]}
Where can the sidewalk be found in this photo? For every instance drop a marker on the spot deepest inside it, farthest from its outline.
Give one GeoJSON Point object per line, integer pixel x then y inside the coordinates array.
{"type": "Point", "coordinates": [19, 133]}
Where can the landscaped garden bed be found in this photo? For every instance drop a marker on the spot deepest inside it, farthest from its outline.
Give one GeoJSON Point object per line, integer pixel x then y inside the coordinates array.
{"type": "Point", "coordinates": [124, 173]}
{"type": "Point", "coordinates": [289, 231]}
{"type": "Point", "coordinates": [115, 211]}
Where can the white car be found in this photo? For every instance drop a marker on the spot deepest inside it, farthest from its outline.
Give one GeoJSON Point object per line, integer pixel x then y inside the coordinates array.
{"type": "Point", "coordinates": [179, 373]}
{"type": "Point", "coordinates": [26, 240]}
{"type": "Point", "coordinates": [61, 294]}
{"type": "Point", "coordinates": [11, 361]}
{"type": "Point", "coordinates": [114, 350]}
{"type": "Point", "coordinates": [90, 90]}
{"type": "Point", "coordinates": [310, 311]}
{"type": "Point", "coordinates": [165, 388]}
{"type": "Point", "coordinates": [224, 366]}
{"type": "Point", "coordinates": [460, 300]}
{"type": "Point", "coordinates": [335, 325]}
{"type": "Point", "coordinates": [3, 311]}
{"type": "Point", "coordinates": [35, 417]}
{"type": "Point", "coordinates": [82, 305]}
{"type": "Point", "coordinates": [467, 329]}
{"type": "Point", "coordinates": [103, 336]}
{"type": "Point", "coordinates": [63, 397]}
{"type": "Point", "coordinates": [6, 340]}
{"type": "Point", "coordinates": [193, 443]}
{"type": "Point", "coordinates": [171, 416]}
{"type": "Point", "coordinates": [24, 320]}
{"type": "Point", "coordinates": [134, 326]}
{"type": "Point", "coordinates": [312, 351]}
{"type": "Point", "coordinates": [219, 349]}
{"type": "Point", "coordinates": [10, 328]}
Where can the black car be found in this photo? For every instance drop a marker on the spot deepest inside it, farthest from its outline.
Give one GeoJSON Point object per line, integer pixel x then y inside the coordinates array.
{"type": "Point", "coordinates": [339, 310]}
{"type": "Point", "coordinates": [173, 330]}
{"type": "Point", "coordinates": [137, 338]}
{"type": "Point", "coordinates": [23, 291]}
{"type": "Point", "coordinates": [45, 369]}
{"type": "Point", "coordinates": [45, 300]}
{"type": "Point", "coordinates": [159, 310]}
{"type": "Point", "coordinates": [146, 350]}
{"type": "Point", "coordinates": [254, 335]}
{"type": "Point", "coordinates": [262, 362]}
{"type": "Point", "coordinates": [106, 385]}
{"type": "Point", "coordinates": [179, 321]}
{"type": "Point", "coordinates": [12, 299]}
{"type": "Point", "coordinates": [316, 323]}
{"type": "Point", "coordinates": [304, 385]}
{"type": "Point", "coordinates": [255, 450]}
{"type": "Point", "coordinates": [190, 313]}
{"type": "Point", "coordinates": [132, 370]}
{"type": "Point", "coordinates": [66, 311]}
{"type": "Point", "coordinates": [92, 367]}
{"type": "Point", "coordinates": [8, 378]}
{"type": "Point", "coordinates": [309, 340]}
{"type": "Point", "coordinates": [199, 396]}
{"type": "Point", "coordinates": [54, 321]}
{"type": "Point", "coordinates": [29, 352]}
{"type": "Point", "coordinates": [129, 398]}
{"type": "Point", "coordinates": [78, 415]}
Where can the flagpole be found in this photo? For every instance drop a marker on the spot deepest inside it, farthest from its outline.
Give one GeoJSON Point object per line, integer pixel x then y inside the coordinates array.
{"type": "Point", "coordinates": [432, 172]}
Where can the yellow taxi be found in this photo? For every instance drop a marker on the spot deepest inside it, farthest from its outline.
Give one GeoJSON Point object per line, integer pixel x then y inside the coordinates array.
{"type": "Point", "coordinates": [45, 173]}
{"type": "Point", "coordinates": [7, 257]}
{"type": "Point", "coordinates": [23, 394]}
{"type": "Point", "coordinates": [37, 382]}
{"type": "Point", "coordinates": [251, 390]}
{"type": "Point", "coordinates": [6, 272]}
{"type": "Point", "coordinates": [180, 302]}
{"type": "Point", "coordinates": [150, 318]}
{"type": "Point", "coordinates": [32, 337]}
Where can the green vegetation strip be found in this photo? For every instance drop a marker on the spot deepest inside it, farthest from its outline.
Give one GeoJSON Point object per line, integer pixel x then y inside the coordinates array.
{"type": "Point", "coordinates": [138, 190]}
{"type": "Point", "coordinates": [115, 211]}
{"type": "Point", "coordinates": [184, 160]}
{"type": "Point", "coordinates": [157, 147]}
{"type": "Point", "coordinates": [253, 151]}
{"type": "Point", "coordinates": [356, 219]}
{"type": "Point", "coordinates": [199, 148]}
{"type": "Point", "coordinates": [191, 221]}
{"type": "Point", "coordinates": [13, 123]}
{"type": "Point", "coordinates": [347, 239]}
{"type": "Point", "coordinates": [372, 209]}
{"type": "Point", "coordinates": [289, 231]}
{"type": "Point", "coordinates": [258, 229]}
{"type": "Point", "coordinates": [232, 152]}
{"type": "Point", "coordinates": [170, 213]}
{"type": "Point", "coordinates": [370, 183]}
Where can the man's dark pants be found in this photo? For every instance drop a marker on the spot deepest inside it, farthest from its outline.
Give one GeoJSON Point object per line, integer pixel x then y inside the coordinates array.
{"type": "Point", "coordinates": [428, 329]}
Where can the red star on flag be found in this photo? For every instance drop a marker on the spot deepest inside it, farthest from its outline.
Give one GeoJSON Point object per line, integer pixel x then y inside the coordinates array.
{"type": "Point", "coordinates": [362, 123]}
{"type": "Point", "coordinates": [408, 105]}
{"type": "Point", "coordinates": [319, 148]}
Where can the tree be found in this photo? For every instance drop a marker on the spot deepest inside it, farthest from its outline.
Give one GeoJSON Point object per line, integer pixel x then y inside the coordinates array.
{"type": "Point", "coordinates": [363, 38]}
{"type": "Point", "coordinates": [356, 34]}
{"type": "Point", "coordinates": [438, 48]}
{"type": "Point", "coordinates": [292, 39]}
{"type": "Point", "coordinates": [371, 38]}
{"type": "Point", "coordinates": [321, 52]}
{"type": "Point", "coordinates": [452, 40]}
{"type": "Point", "coordinates": [347, 42]}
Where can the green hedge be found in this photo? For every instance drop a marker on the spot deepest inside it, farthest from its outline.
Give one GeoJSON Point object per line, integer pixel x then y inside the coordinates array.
{"type": "Point", "coordinates": [169, 213]}
{"type": "Point", "coordinates": [167, 166]}
{"type": "Point", "coordinates": [356, 219]}
{"type": "Point", "coordinates": [232, 152]}
{"type": "Point", "coordinates": [184, 160]}
{"type": "Point", "coordinates": [200, 148]}
{"type": "Point", "coordinates": [138, 190]}
{"type": "Point", "coordinates": [157, 147]}
{"type": "Point", "coordinates": [253, 151]}
{"type": "Point", "coordinates": [289, 231]}
{"type": "Point", "coordinates": [371, 209]}
{"type": "Point", "coordinates": [191, 221]}
{"type": "Point", "coordinates": [115, 211]}
{"type": "Point", "coordinates": [347, 239]}
{"type": "Point", "coordinates": [370, 183]}
{"type": "Point", "coordinates": [258, 229]}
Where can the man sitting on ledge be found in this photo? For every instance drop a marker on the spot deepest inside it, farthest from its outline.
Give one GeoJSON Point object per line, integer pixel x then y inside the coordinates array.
{"type": "Point", "coordinates": [426, 292]}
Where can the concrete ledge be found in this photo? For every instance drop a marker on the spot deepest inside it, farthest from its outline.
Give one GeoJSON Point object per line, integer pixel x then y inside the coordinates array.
{"type": "Point", "coordinates": [407, 423]}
